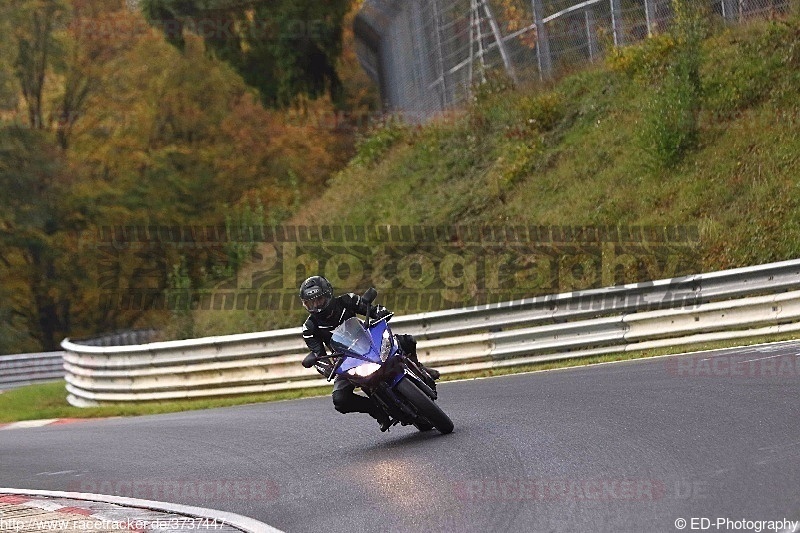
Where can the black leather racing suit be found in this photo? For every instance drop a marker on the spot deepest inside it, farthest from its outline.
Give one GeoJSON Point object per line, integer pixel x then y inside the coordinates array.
{"type": "Point", "coordinates": [317, 334]}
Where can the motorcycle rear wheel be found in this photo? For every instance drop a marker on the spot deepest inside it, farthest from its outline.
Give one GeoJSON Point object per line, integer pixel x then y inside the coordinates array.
{"type": "Point", "coordinates": [425, 406]}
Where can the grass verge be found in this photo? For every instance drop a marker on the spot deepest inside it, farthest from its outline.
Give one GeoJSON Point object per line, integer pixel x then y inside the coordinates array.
{"type": "Point", "coordinates": [36, 402]}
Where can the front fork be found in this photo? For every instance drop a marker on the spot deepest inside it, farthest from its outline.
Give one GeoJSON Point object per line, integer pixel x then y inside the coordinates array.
{"type": "Point", "coordinates": [422, 378]}
{"type": "Point", "coordinates": [394, 406]}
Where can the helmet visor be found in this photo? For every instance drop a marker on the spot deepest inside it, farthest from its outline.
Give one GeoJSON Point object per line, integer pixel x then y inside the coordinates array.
{"type": "Point", "coordinates": [315, 305]}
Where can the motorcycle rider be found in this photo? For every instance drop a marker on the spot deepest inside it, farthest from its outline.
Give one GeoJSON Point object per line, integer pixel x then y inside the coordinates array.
{"type": "Point", "coordinates": [326, 313]}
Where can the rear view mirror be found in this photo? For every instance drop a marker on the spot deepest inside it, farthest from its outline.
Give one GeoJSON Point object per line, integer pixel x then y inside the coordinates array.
{"type": "Point", "coordinates": [370, 295]}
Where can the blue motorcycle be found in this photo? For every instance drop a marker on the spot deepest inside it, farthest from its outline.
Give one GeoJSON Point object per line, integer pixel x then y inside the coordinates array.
{"type": "Point", "coordinates": [367, 354]}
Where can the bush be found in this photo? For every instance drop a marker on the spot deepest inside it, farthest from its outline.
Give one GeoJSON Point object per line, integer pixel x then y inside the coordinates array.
{"type": "Point", "coordinates": [647, 61]}
{"type": "Point", "coordinates": [670, 125]}
{"type": "Point", "coordinates": [371, 147]}
{"type": "Point", "coordinates": [542, 112]}
{"type": "Point", "coordinates": [493, 82]}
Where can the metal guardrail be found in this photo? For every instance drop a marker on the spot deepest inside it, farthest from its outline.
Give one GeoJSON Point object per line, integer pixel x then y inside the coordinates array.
{"type": "Point", "coordinates": [729, 304]}
{"type": "Point", "coordinates": [122, 338]}
{"type": "Point", "coordinates": [33, 368]}
{"type": "Point", "coordinates": [30, 368]}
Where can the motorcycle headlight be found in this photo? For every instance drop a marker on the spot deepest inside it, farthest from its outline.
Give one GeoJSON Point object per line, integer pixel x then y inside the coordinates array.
{"type": "Point", "coordinates": [386, 346]}
{"type": "Point", "coordinates": [365, 370]}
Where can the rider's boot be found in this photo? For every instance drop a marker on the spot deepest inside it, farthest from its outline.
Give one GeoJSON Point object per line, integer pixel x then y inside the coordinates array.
{"type": "Point", "coordinates": [432, 372]}
{"type": "Point", "coordinates": [384, 421]}
{"type": "Point", "coordinates": [409, 345]}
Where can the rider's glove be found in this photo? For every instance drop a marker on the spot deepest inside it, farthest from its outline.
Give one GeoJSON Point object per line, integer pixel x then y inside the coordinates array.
{"type": "Point", "coordinates": [381, 312]}
{"type": "Point", "coordinates": [309, 360]}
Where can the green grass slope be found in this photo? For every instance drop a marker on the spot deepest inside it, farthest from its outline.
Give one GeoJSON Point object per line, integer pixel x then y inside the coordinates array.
{"type": "Point", "coordinates": [702, 133]}
{"type": "Point", "coordinates": [696, 129]}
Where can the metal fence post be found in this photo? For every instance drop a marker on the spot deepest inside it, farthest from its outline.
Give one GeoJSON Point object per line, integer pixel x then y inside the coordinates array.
{"type": "Point", "coordinates": [476, 37]}
{"type": "Point", "coordinates": [616, 23]}
{"type": "Point", "coordinates": [591, 38]}
{"type": "Point", "coordinates": [437, 25]}
{"type": "Point", "coordinates": [501, 45]}
{"type": "Point", "coordinates": [730, 10]}
{"type": "Point", "coordinates": [542, 42]}
{"type": "Point", "coordinates": [649, 13]}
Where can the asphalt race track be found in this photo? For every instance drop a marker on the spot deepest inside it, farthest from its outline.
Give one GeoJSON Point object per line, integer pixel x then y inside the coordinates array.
{"type": "Point", "coordinates": [633, 446]}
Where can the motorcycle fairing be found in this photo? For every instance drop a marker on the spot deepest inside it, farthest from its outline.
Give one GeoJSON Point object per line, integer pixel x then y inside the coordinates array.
{"type": "Point", "coordinates": [358, 344]}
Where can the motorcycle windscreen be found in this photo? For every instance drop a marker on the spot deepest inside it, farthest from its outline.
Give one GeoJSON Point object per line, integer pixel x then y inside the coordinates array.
{"type": "Point", "coordinates": [350, 337]}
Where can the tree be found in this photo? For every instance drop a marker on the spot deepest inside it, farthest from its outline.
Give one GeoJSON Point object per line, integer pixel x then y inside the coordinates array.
{"type": "Point", "coordinates": [34, 23]}
{"type": "Point", "coordinates": [32, 179]}
{"type": "Point", "coordinates": [283, 48]}
{"type": "Point", "coordinates": [83, 53]}
{"type": "Point", "coordinates": [120, 130]}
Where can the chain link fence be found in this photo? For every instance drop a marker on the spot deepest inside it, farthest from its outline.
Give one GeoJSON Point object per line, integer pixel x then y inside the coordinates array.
{"type": "Point", "coordinates": [426, 55]}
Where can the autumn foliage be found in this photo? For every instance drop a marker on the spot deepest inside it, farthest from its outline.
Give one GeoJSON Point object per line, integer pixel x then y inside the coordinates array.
{"type": "Point", "coordinates": [104, 124]}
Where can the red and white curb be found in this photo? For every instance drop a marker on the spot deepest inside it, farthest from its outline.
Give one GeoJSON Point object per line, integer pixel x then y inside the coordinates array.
{"type": "Point", "coordinates": [24, 513]}
{"type": "Point", "coordinates": [41, 423]}
{"type": "Point", "coordinates": [38, 510]}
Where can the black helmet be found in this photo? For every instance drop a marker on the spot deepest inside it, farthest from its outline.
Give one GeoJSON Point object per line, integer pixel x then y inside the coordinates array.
{"type": "Point", "coordinates": [316, 293]}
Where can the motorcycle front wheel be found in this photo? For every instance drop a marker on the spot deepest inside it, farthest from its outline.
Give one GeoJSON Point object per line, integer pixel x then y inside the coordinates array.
{"type": "Point", "coordinates": [424, 406]}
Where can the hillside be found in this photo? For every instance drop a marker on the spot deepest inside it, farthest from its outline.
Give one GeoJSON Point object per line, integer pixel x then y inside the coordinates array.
{"type": "Point", "coordinates": [676, 156]}
{"type": "Point", "coordinates": [628, 142]}
{"type": "Point", "coordinates": [695, 134]}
